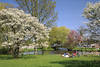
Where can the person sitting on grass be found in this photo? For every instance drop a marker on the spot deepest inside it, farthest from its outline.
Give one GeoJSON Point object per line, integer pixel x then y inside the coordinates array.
{"type": "Point", "coordinates": [65, 55]}
{"type": "Point", "coordinates": [74, 54]}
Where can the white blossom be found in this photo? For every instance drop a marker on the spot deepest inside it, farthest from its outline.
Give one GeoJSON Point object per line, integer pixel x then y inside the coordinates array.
{"type": "Point", "coordinates": [18, 26]}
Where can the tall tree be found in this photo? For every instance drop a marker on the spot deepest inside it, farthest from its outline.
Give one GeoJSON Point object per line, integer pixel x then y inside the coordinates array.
{"type": "Point", "coordinates": [17, 28]}
{"type": "Point", "coordinates": [83, 33]}
{"type": "Point", "coordinates": [58, 35]}
{"type": "Point", "coordinates": [44, 10]}
{"type": "Point", "coordinates": [92, 13]}
{"type": "Point", "coordinates": [74, 39]}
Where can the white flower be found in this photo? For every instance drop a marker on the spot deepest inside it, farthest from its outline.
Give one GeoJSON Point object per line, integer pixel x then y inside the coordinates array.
{"type": "Point", "coordinates": [22, 27]}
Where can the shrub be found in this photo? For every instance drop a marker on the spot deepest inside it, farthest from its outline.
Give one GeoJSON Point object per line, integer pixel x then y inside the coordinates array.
{"type": "Point", "coordinates": [4, 50]}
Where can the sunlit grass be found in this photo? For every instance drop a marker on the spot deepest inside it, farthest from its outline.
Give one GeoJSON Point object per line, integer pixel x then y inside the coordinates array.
{"type": "Point", "coordinates": [49, 61]}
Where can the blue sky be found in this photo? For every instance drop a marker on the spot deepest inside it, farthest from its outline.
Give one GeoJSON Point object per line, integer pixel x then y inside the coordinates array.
{"type": "Point", "coordinates": [69, 12]}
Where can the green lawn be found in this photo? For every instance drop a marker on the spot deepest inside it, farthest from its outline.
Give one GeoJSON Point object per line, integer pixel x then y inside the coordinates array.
{"type": "Point", "coordinates": [48, 61]}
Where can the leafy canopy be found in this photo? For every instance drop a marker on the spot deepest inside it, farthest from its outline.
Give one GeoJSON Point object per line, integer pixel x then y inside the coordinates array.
{"type": "Point", "coordinates": [92, 13]}
{"type": "Point", "coordinates": [16, 27]}
{"type": "Point", "coordinates": [59, 34]}
{"type": "Point", "coordinates": [44, 10]}
{"type": "Point", "coordinates": [5, 5]}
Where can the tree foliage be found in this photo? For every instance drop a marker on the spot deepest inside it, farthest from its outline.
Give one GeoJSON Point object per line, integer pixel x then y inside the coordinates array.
{"type": "Point", "coordinates": [74, 39]}
{"type": "Point", "coordinates": [83, 33]}
{"type": "Point", "coordinates": [92, 13]}
{"type": "Point", "coordinates": [58, 34]}
{"type": "Point", "coordinates": [5, 5]}
{"type": "Point", "coordinates": [44, 10]}
{"type": "Point", "coordinates": [17, 28]}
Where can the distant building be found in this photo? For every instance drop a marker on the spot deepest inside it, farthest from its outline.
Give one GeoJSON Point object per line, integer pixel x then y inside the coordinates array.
{"type": "Point", "coordinates": [95, 45]}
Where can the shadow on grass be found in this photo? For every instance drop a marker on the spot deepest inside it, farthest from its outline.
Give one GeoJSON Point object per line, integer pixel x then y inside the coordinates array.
{"type": "Point", "coordinates": [9, 57]}
{"type": "Point", "coordinates": [78, 63]}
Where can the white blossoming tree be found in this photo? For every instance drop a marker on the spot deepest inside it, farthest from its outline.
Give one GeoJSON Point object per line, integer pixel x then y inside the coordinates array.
{"type": "Point", "coordinates": [92, 13]}
{"type": "Point", "coordinates": [16, 28]}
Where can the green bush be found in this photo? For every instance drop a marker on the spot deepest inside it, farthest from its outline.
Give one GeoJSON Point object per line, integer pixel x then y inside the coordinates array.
{"type": "Point", "coordinates": [4, 50]}
{"type": "Point", "coordinates": [27, 50]}
{"type": "Point", "coordinates": [85, 49]}
{"type": "Point", "coordinates": [48, 49]}
{"type": "Point", "coordinates": [99, 49]}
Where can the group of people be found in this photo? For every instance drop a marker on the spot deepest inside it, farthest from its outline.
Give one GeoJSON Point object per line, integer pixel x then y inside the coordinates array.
{"type": "Point", "coordinates": [74, 54]}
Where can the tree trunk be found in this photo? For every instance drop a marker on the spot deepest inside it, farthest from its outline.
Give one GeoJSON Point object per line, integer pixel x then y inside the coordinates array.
{"type": "Point", "coordinates": [42, 51]}
{"type": "Point", "coordinates": [35, 51]}
{"type": "Point", "coordinates": [15, 51]}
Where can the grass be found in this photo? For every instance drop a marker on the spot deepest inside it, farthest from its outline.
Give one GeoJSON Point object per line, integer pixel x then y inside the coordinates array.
{"type": "Point", "coordinates": [49, 61]}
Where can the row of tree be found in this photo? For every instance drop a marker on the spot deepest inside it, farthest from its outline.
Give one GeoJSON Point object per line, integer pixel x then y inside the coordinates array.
{"type": "Point", "coordinates": [44, 10]}
{"type": "Point", "coordinates": [88, 34]}
{"type": "Point", "coordinates": [64, 37]}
